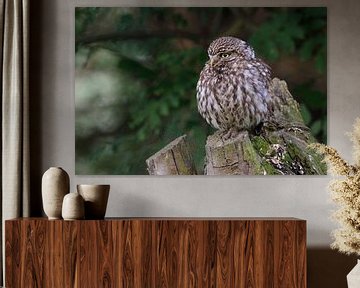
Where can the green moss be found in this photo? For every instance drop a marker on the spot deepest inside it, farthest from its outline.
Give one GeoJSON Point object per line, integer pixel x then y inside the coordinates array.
{"type": "Point", "coordinates": [270, 169]}
{"type": "Point", "coordinates": [317, 161]}
{"type": "Point", "coordinates": [288, 157]}
{"type": "Point", "coordinates": [261, 145]}
{"type": "Point", "coordinates": [251, 156]}
{"type": "Point", "coordinates": [310, 161]}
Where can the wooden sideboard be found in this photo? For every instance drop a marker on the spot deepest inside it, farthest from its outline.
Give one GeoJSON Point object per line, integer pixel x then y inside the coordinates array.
{"type": "Point", "coordinates": [156, 252]}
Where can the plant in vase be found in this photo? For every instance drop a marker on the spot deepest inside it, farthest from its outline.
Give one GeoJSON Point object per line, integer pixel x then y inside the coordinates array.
{"type": "Point", "coordinates": [345, 192]}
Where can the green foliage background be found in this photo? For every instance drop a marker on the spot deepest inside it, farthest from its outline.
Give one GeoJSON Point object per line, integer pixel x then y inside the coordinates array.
{"type": "Point", "coordinates": [137, 69]}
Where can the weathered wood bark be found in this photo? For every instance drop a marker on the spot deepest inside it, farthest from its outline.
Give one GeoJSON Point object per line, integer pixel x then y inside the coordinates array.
{"type": "Point", "coordinates": [279, 148]}
{"type": "Point", "coordinates": [174, 159]}
{"type": "Point", "coordinates": [233, 157]}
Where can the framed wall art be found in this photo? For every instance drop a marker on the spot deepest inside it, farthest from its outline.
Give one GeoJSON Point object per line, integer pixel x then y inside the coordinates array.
{"type": "Point", "coordinates": [200, 90]}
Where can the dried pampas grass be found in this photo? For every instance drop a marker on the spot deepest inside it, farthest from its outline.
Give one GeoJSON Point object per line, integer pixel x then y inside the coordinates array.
{"type": "Point", "coordinates": [345, 191]}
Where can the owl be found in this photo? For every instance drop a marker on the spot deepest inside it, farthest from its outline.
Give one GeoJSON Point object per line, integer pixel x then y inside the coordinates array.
{"type": "Point", "coordinates": [233, 88]}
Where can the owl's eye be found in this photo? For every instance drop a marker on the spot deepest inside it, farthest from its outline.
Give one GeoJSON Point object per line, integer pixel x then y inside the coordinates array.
{"type": "Point", "coordinates": [224, 55]}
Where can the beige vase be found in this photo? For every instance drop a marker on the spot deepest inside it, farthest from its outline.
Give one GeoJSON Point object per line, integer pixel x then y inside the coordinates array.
{"type": "Point", "coordinates": [73, 207]}
{"type": "Point", "coordinates": [96, 198]}
{"type": "Point", "coordinates": [55, 185]}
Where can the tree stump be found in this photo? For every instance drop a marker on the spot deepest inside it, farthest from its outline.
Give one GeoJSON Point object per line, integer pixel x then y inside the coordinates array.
{"type": "Point", "coordinates": [279, 148]}
{"type": "Point", "coordinates": [174, 159]}
{"type": "Point", "coordinates": [234, 157]}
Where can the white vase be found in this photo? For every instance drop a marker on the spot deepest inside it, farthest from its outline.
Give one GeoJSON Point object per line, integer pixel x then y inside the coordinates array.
{"type": "Point", "coordinates": [73, 207]}
{"type": "Point", "coordinates": [55, 185]}
{"type": "Point", "coordinates": [96, 198]}
{"type": "Point", "coordinates": [353, 278]}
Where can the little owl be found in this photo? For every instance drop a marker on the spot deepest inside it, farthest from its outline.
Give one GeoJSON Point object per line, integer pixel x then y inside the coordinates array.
{"type": "Point", "coordinates": [233, 88]}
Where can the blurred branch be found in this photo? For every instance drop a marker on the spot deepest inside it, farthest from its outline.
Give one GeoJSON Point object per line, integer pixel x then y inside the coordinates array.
{"type": "Point", "coordinates": [127, 35]}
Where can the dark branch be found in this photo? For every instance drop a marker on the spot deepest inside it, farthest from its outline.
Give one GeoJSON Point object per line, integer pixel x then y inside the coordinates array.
{"type": "Point", "coordinates": [128, 35]}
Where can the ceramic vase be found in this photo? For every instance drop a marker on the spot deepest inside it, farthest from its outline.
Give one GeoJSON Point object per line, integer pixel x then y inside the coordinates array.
{"type": "Point", "coordinates": [55, 185]}
{"type": "Point", "coordinates": [73, 207]}
{"type": "Point", "coordinates": [96, 198]}
{"type": "Point", "coordinates": [353, 278]}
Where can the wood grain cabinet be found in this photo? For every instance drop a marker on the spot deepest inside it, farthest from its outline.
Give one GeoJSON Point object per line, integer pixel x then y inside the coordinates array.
{"type": "Point", "coordinates": [156, 252]}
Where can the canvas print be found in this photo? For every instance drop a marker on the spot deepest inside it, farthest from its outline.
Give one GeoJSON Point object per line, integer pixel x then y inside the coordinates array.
{"type": "Point", "coordinates": [200, 90]}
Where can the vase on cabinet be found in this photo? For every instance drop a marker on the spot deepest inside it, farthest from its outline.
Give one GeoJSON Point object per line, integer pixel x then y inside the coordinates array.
{"type": "Point", "coordinates": [95, 198]}
{"type": "Point", "coordinates": [73, 207]}
{"type": "Point", "coordinates": [55, 185]}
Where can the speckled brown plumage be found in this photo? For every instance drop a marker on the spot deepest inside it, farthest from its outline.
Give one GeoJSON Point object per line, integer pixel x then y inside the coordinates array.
{"type": "Point", "coordinates": [233, 88]}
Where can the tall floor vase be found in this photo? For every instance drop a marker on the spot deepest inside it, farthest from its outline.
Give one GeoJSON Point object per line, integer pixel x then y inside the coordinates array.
{"type": "Point", "coordinates": [353, 278]}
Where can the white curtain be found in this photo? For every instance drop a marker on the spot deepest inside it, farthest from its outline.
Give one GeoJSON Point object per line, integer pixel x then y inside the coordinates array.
{"type": "Point", "coordinates": [14, 27]}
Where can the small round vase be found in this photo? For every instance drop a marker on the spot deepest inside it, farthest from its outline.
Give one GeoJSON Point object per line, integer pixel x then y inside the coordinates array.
{"type": "Point", "coordinates": [73, 207]}
{"type": "Point", "coordinates": [96, 198]}
{"type": "Point", "coordinates": [55, 185]}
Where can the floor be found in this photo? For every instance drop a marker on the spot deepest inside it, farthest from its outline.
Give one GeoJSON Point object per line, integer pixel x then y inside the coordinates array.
{"type": "Point", "coordinates": [328, 268]}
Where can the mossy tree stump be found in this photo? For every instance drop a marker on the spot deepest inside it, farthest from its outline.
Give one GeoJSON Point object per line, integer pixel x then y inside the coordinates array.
{"type": "Point", "coordinates": [279, 148]}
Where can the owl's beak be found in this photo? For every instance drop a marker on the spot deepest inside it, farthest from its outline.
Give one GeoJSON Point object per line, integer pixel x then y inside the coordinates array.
{"type": "Point", "coordinates": [214, 60]}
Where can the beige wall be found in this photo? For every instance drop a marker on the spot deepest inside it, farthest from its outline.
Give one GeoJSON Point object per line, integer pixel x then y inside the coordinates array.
{"type": "Point", "coordinates": [53, 144]}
